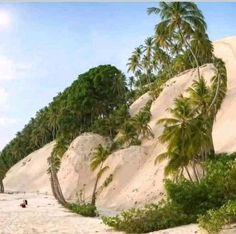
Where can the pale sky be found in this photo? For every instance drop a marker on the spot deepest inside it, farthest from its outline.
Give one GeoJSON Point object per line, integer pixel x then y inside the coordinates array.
{"type": "Point", "coordinates": [44, 46]}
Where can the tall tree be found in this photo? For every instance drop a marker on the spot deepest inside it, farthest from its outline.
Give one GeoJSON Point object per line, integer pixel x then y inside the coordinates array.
{"type": "Point", "coordinates": [183, 18]}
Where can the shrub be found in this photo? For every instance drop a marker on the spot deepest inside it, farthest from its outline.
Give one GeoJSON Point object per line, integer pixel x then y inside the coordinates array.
{"type": "Point", "coordinates": [186, 201]}
{"type": "Point", "coordinates": [150, 218]}
{"type": "Point", "coordinates": [108, 180]}
{"type": "Point", "coordinates": [85, 209]}
{"type": "Point", "coordinates": [214, 220]}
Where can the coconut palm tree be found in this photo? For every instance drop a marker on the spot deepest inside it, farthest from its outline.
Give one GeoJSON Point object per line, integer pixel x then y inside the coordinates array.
{"type": "Point", "coordinates": [140, 122]}
{"type": "Point", "coordinates": [200, 98]}
{"type": "Point", "coordinates": [202, 46]}
{"type": "Point", "coordinates": [184, 133]}
{"type": "Point", "coordinates": [54, 162]}
{"type": "Point", "coordinates": [134, 62]}
{"type": "Point", "coordinates": [183, 18]}
{"type": "Point", "coordinates": [131, 82]}
{"type": "Point", "coordinates": [176, 164]}
{"type": "Point", "coordinates": [97, 161]}
{"type": "Point", "coordinates": [3, 171]}
{"type": "Point", "coordinates": [127, 134]}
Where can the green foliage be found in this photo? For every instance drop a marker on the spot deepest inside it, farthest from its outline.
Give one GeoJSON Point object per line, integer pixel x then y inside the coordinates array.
{"type": "Point", "coordinates": [214, 189]}
{"type": "Point", "coordinates": [150, 218]}
{"type": "Point", "coordinates": [92, 97]}
{"type": "Point", "coordinates": [136, 127]}
{"type": "Point", "coordinates": [108, 180]}
{"type": "Point", "coordinates": [85, 209]}
{"type": "Point", "coordinates": [186, 201]}
{"type": "Point", "coordinates": [214, 220]}
{"type": "Point", "coordinates": [109, 126]}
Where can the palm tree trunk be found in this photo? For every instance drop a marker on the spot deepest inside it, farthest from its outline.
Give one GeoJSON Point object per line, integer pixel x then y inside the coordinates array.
{"type": "Point", "coordinates": [190, 178]}
{"type": "Point", "coordinates": [195, 172]}
{"type": "Point", "coordinates": [55, 185]}
{"type": "Point", "coordinates": [1, 187]}
{"type": "Point", "coordinates": [95, 186]}
{"type": "Point", "coordinates": [191, 51]}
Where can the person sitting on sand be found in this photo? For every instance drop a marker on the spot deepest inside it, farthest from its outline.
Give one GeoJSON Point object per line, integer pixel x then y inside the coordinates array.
{"type": "Point", "coordinates": [24, 203]}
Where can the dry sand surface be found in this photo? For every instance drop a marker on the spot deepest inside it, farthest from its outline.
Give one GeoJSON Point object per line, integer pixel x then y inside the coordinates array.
{"type": "Point", "coordinates": [43, 216]}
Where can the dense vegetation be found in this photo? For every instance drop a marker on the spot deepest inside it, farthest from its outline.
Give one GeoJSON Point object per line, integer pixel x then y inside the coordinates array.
{"type": "Point", "coordinates": [203, 183]}
{"type": "Point", "coordinates": [186, 201]}
{"type": "Point", "coordinates": [94, 95]}
{"type": "Point", "coordinates": [181, 38]}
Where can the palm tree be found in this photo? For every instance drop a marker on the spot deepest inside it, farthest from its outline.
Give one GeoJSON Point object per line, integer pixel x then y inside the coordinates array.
{"type": "Point", "coordinates": [184, 133]}
{"type": "Point", "coordinates": [54, 162]}
{"type": "Point", "coordinates": [200, 98]}
{"type": "Point", "coordinates": [3, 171]}
{"type": "Point", "coordinates": [131, 82]}
{"type": "Point", "coordinates": [98, 158]}
{"type": "Point", "coordinates": [202, 46]}
{"type": "Point", "coordinates": [140, 122]}
{"type": "Point", "coordinates": [148, 50]}
{"type": "Point", "coordinates": [127, 134]}
{"type": "Point", "coordinates": [134, 62]}
{"type": "Point", "coordinates": [183, 18]}
{"type": "Point", "coordinates": [176, 164]}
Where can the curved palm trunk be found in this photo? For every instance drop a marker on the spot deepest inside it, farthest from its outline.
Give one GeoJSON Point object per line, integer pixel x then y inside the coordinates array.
{"type": "Point", "coordinates": [95, 186]}
{"type": "Point", "coordinates": [186, 169]}
{"type": "Point", "coordinates": [1, 187]}
{"type": "Point", "coordinates": [191, 51]}
{"type": "Point", "coordinates": [56, 188]}
{"type": "Point", "coordinates": [195, 172]}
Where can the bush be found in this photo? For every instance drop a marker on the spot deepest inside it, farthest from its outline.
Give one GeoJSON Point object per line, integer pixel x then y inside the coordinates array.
{"type": "Point", "coordinates": [150, 218]}
{"type": "Point", "coordinates": [85, 209]}
{"type": "Point", "coordinates": [186, 201]}
{"type": "Point", "coordinates": [215, 189]}
{"type": "Point", "coordinates": [214, 220]}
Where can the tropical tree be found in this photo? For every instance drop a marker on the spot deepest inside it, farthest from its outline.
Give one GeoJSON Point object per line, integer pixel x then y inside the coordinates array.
{"type": "Point", "coordinates": [99, 156]}
{"type": "Point", "coordinates": [182, 18]}
{"type": "Point", "coordinates": [54, 162]}
{"type": "Point", "coordinates": [134, 62]}
{"type": "Point", "coordinates": [141, 120]}
{"type": "Point", "coordinates": [185, 133]}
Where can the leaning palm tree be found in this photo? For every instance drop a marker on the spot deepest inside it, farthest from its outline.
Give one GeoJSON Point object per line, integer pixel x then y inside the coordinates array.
{"type": "Point", "coordinates": [183, 18]}
{"type": "Point", "coordinates": [54, 162]}
{"type": "Point", "coordinates": [97, 161]}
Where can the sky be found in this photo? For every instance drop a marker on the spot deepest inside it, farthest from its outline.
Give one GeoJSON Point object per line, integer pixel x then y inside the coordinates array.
{"type": "Point", "coordinates": [44, 46]}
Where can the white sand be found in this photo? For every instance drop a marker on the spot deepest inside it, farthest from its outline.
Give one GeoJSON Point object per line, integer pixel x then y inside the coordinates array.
{"type": "Point", "coordinates": [43, 216]}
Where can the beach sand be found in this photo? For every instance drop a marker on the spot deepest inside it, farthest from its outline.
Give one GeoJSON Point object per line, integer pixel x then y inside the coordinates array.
{"type": "Point", "coordinates": [43, 215]}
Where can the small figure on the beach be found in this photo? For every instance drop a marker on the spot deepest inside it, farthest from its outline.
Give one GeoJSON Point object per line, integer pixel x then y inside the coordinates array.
{"type": "Point", "coordinates": [24, 203]}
